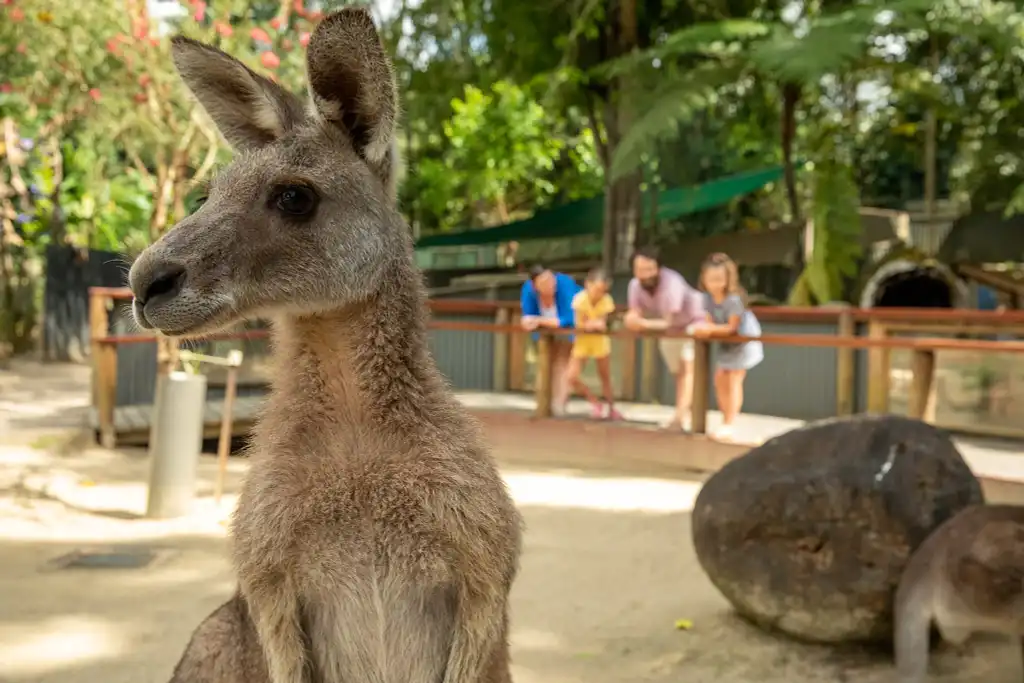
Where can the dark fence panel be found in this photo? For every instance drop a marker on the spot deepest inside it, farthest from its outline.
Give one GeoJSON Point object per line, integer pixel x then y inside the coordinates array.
{"type": "Point", "coordinates": [70, 272]}
{"type": "Point", "coordinates": [793, 381]}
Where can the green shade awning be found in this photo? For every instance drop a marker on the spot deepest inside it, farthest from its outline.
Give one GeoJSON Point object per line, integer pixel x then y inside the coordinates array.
{"type": "Point", "coordinates": [585, 217]}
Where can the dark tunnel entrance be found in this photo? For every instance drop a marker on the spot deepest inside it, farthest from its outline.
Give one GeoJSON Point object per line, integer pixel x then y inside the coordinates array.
{"type": "Point", "coordinates": [921, 288]}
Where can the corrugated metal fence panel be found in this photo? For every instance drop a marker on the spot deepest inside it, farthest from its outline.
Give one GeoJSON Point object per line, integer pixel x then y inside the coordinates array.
{"type": "Point", "coordinates": [466, 358]}
{"type": "Point", "coordinates": [793, 381]}
{"type": "Point", "coordinates": [796, 382]}
{"type": "Point", "coordinates": [136, 363]}
{"type": "Point", "coordinates": [860, 395]}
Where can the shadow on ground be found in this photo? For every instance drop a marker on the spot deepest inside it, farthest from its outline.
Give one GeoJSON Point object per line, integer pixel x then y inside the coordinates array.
{"type": "Point", "coordinates": [608, 567]}
{"type": "Point", "coordinates": [597, 601]}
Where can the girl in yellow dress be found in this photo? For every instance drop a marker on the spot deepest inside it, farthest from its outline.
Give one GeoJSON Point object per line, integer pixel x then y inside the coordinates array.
{"type": "Point", "coordinates": [592, 307]}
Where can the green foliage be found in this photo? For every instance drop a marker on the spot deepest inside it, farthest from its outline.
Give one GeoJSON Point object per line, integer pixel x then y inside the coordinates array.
{"type": "Point", "coordinates": [835, 216]}
{"type": "Point", "coordinates": [503, 149]}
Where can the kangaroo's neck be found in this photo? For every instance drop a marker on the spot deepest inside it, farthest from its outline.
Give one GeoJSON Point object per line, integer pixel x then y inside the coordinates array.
{"type": "Point", "coordinates": [365, 366]}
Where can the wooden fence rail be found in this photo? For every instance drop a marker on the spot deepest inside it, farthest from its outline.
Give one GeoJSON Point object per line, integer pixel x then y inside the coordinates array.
{"type": "Point", "coordinates": [879, 342]}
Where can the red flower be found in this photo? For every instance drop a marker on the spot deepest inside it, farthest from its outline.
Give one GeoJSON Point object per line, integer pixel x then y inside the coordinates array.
{"type": "Point", "coordinates": [140, 97]}
{"type": "Point", "coordinates": [270, 60]}
{"type": "Point", "coordinates": [315, 16]}
{"type": "Point", "coordinates": [94, 93]}
{"type": "Point", "coordinates": [299, 6]}
{"type": "Point", "coordinates": [6, 88]}
{"type": "Point", "coordinates": [22, 48]}
{"type": "Point", "coordinates": [17, 14]}
{"type": "Point", "coordinates": [145, 79]}
{"type": "Point", "coordinates": [200, 12]}
{"type": "Point", "coordinates": [260, 35]}
{"type": "Point", "coordinates": [112, 46]}
{"type": "Point", "coordinates": [276, 23]}
{"type": "Point", "coordinates": [223, 29]}
{"type": "Point", "coordinates": [304, 39]}
{"type": "Point", "coordinates": [7, 2]}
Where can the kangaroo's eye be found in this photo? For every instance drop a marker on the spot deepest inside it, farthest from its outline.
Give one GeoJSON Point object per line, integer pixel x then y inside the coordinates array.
{"type": "Point", "coordinates": [296, 201]}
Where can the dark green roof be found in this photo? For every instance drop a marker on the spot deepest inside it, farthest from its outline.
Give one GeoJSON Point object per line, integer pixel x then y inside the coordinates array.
{"type": "Point", "coordinates": [585, 217]}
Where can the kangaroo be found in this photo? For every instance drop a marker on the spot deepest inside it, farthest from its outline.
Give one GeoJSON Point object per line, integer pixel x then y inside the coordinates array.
{"type": "Point", "coordinates": [374, 540]}
{"type": "Point", "coordinates": [967, 577]}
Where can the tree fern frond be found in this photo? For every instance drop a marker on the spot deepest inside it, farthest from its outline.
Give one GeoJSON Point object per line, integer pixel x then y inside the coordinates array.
{"type": "Point", "coordinates": [706, 38]}
{"type": "Point", "coordinates": [669, 106]}
{"type": "Point", "coordinates": [837, 231]}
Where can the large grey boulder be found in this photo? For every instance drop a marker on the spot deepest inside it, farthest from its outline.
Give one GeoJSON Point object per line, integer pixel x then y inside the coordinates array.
{"type": "Point", "coordinates": [809, 532]}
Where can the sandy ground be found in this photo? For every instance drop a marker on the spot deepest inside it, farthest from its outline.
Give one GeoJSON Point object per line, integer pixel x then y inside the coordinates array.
{"type": "Point", "coordinates": [607, 572]}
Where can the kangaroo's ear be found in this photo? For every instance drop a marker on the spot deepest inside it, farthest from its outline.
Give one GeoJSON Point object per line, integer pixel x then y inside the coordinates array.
{"type": "Point", "coordinates": [249, 110]}
{"type": "Point", "coordinates": [352, 84]}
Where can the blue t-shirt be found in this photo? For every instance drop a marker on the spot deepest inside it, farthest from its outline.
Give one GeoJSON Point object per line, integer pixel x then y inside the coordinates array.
{"type": "Point", "coordinates": [565, 290]}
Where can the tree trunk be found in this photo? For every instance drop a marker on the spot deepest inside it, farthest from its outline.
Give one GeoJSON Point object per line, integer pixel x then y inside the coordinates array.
{"type": "Point", "coordinates": [931, 127]}
{"type": "Point", "coordinates": [790, 100]}
{"type": "Point", "coordinates": [622, 196]}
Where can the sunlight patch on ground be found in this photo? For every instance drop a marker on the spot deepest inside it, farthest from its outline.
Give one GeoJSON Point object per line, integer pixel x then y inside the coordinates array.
{"type": "Point", "coordinates": [622, 494]}
{"type": "Point", "coordinates": [58, 643]}
{"type": "Point", "coordinates": [531, 639]}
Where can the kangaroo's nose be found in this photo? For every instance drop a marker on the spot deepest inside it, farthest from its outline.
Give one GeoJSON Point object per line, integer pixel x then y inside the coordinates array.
{"type": "Point", "coordinates": [166, 282]}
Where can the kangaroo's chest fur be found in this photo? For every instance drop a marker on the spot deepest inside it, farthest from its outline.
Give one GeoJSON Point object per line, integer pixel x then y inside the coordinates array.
{"type": "Point", "coordinates": [376, 551]}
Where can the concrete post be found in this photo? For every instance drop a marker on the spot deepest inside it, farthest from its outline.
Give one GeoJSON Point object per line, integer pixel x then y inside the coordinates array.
{"type": "Point", "coordinates": [175, 442]}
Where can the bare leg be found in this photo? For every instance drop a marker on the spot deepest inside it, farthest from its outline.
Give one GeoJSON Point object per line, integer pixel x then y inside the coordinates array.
{"type": "Point", "coordinates": [573, 368]}
{"type": "Point", "coordinates": [560, 390]}
{"type": "Point", "coordinates": [722, 392]}
{"type": "Point", "coordinates": [604, 371]}
{"type": "Point", "coordinates": [684, 391]}
{"type": "Point", "coordinates": [734, 379]}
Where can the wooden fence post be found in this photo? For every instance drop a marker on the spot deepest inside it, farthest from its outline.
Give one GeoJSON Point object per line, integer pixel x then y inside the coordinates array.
{"type": "Point", "coordinates": [845, 378]}
{"type": "Point", "coordinates": [701, 388]}
{"type": "Point", "coordinates": [922, 385]}
{"type": "Point", "coordinates": [106, 392]}
{"type": "Point", "coordinates": [99, 325]}
{"type": "Point", "coordinates": [501, 352]}
{"type": "Point", "coordinates": [879, 370]}
{"type": "Point", "coordinates": [104, 368]}
{"type": "Point", "coordinates": [648, 369]}
{"type": "Point", "coordinates": [543, 383]}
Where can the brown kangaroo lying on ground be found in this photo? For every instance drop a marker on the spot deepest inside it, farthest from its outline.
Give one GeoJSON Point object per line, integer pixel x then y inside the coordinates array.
{"type": "Point", "coordinates": [374, 540]}
{"type": "Point", "coordinates": [967, 577]}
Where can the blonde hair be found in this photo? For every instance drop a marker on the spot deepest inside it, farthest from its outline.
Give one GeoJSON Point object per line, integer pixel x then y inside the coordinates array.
{"type": "Point", "coordinates": [732, 274]}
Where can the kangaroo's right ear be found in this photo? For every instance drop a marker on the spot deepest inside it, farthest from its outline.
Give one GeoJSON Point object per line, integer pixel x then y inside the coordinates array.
{"type": "Point", "coordinates": [249, 110]}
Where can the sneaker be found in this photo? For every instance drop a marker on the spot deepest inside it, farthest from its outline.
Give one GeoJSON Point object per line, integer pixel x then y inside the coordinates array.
{"type": "Point", "coordinates": [596, 411]}
{"type": "Point", "coordinates": [558, 409]}
{"type": "Point", "coordinates": [614, 414]}
{"type": "Point", "coordinates": [724, 433]}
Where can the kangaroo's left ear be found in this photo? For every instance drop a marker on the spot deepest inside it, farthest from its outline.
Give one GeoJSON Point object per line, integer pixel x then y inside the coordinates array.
{"type": "Point", "coordinates": [353, 86]}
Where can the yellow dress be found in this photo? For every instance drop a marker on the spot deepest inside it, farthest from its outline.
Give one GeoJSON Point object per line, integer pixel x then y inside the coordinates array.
{"type": "Point", "coordinates": [591, 345]}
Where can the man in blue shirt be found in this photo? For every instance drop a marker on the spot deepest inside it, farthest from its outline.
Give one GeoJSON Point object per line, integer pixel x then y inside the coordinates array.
{"type": "Point", "coordinates": [546, 301]}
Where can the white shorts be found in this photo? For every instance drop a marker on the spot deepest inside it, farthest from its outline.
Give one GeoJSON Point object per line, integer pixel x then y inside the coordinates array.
{"type": "Point", "coordinates": [675, 350]}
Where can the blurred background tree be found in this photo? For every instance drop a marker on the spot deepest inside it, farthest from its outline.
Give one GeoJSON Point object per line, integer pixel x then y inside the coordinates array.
{"type": "Point", "coordinates": [510, 107]}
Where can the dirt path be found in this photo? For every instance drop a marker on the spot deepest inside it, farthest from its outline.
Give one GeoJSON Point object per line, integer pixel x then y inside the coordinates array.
{"type": "Point", "coordinates": [607, 571]}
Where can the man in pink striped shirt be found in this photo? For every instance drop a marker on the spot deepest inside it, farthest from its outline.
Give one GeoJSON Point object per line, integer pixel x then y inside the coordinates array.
{"type": "Point", "coordinates": [659, 298]}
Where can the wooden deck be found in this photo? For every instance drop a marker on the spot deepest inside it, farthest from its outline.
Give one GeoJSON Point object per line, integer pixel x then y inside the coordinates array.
{"type": "Point", "coordinates": [132, 423]}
